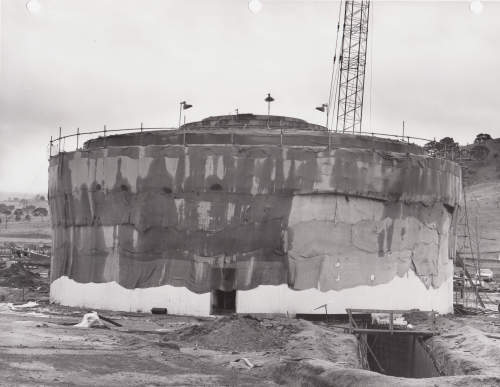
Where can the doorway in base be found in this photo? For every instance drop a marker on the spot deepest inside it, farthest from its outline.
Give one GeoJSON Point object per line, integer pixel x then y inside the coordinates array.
{"type": "Point", "coordinates": [223, 302]}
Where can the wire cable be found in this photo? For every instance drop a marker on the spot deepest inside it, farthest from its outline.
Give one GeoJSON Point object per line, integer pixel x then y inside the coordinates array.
{"type": "Point", "coordinates": [371, 64]}
{"type": "Point", "coordinates": [333, 81]}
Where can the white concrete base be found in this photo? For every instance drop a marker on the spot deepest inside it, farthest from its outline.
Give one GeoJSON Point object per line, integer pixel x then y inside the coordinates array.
{"type": "Point", "coordinates": [112, 296]}
{"type": "Point", "coordinates": [407, 292]}
{"type": "Point", "coordinates": [401, 293]}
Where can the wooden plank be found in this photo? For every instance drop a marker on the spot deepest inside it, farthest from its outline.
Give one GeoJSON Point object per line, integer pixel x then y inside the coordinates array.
{"type": "Point", "coordinates": [401, 311]}
{"type": "Point", "coordinates": [352, 323]}
{"type": "Point", "coordinates": [373, 355]}
{"type": "Point", "coordinates": [396, 331]}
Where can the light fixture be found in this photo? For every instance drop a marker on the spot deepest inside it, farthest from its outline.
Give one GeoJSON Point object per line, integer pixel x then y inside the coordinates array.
{"type": "Point", "coordinates": [269, 99]}
{"type": "Point", "coordinates": [183, 106]}
{"type": "Point", "coordinates": [324, 108]}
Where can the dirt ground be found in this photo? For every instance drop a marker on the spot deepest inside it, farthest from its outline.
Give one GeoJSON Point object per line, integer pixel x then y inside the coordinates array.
{"type": "Point", "coordinates": [41, 346]}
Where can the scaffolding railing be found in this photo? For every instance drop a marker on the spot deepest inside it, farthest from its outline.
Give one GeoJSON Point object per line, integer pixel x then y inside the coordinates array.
{"type": "Point", "coordinates": [76, 139]}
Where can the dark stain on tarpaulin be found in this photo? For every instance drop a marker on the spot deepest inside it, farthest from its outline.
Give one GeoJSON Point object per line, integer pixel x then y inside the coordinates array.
{"type": "Point", "coordinates": [152, 206]}
{"type": "Point", "coordinates": [381, 242]}
{"type": "Point", "coordinates": [303, 176]}
{"type": "Point", "coordinates": [164, 249]}
{"type": "Point", "coordinates": [344, 171]}
{"type": "Point", "coordinates": [118, 200]}
{"type": "Point", "coordinates": [85, 258]}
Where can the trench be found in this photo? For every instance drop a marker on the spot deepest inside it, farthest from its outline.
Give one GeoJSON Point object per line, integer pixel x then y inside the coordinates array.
{"type": "Point", "coordinates": [398, 355]}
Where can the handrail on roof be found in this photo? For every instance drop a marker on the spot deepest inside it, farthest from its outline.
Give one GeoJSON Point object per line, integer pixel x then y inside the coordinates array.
{"type": "Point", "coordinates": [78, 133]}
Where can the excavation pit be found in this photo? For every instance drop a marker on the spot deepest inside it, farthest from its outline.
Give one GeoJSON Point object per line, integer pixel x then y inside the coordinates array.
{"type": "Point", "coordinates": [401, 355]}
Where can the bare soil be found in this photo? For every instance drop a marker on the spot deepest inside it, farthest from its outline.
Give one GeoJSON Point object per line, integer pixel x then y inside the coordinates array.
{"type": "Point", "coordinates": [40, 346]}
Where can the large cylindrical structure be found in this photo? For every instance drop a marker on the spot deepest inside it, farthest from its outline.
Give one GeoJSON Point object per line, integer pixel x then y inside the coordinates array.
{"type": "Point", "coordinates": [252, 214]}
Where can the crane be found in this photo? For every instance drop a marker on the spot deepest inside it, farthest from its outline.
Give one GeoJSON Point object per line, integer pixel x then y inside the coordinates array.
{"type": "Point", "coordinates": [348, 77]}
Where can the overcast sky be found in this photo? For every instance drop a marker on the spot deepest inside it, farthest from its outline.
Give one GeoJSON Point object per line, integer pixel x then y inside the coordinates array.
{"type": "Point", "coordinates": [89, 63]}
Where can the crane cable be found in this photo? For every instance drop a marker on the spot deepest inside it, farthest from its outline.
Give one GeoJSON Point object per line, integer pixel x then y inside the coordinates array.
{"type": "Point", "coordinates": [333, 80]}
{"type": "Point", "coordinates": [371, 66]}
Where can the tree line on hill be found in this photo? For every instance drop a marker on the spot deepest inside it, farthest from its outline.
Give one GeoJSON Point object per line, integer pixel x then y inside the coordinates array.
{"type": "Point", "coordinates": [24, 213]}
{"type": "Point", "coordinates": [448, 146]}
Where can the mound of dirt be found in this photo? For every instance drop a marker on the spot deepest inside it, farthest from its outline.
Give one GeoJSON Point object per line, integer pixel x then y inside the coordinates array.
{"type": "Point", "coordinates": [17, 276]}
{"type": "Point", "coordinates": [237, 333]}
{"type": "Point", "coordinates": [465, 350]}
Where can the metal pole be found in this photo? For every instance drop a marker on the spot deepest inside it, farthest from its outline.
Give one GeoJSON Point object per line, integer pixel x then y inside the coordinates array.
{"type": "Point", "coordinates": [104, 136]}
{"type": "Point", "coordinates": [59, 141]}
{"type": "Point", "coordinates": [403, 130]}
{"type": "Point", "coordinates": [478, 253]}
{"type": "Point", "coordinates": [77, 134]}
{"type": "Point", "coordinates": [180, 113]}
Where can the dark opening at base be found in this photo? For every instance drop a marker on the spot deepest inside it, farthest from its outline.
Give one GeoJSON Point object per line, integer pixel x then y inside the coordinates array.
{"type": "Point", "coordinates": [223, 302]}
{"type": "Point", "coordinates": [399, 355]}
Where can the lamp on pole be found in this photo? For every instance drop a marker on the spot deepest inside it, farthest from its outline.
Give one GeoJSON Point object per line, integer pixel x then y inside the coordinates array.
{"type": "Point", "coordinates": [269, 99]}
{"type": "Point", "coordinates": [183, 106]}
{"type": "Point", "coordinates": [324, 108]}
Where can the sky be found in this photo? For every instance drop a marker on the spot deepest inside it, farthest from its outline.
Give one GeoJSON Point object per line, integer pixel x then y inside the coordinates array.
{"type": "Point", "coordinates": [89, 63]}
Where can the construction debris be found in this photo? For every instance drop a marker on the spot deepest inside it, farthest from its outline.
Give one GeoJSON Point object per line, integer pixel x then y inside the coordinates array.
{"type": "Point", "coordinates": [30, 304]}
{"type": "Point", "coordinates": [243, 363]}
{"type": "Point", "coordinates": [159, 310]}
{"type": "Point", "coordinates": [384, 319]}
{"type": "Point", "coordinates": [90, 320]}
{"type": "Point", "coordinates": [107, 319]}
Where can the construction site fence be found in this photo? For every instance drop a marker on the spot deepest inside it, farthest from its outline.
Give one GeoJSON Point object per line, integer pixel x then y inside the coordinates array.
{"type": "Point", "coordinates": [76, 140]}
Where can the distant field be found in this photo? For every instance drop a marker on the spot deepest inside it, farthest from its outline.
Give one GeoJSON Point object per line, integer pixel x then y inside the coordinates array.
{"type": "Point", "coordinates": [37, 229]}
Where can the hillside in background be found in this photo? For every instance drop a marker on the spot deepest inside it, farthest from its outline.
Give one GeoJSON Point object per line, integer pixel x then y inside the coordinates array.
{"type": "Point", "coordinates": [481, 163]}
{"type": "Point", "coordinates": [481, 177]}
